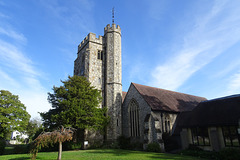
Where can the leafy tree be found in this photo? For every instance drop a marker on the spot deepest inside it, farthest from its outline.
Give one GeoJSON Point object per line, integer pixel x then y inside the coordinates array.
{"type": "Point", "coordinates": [49, 138]}
{"type": "Point", "coordinates": [75, 104]}
{"type": "Point", "coordinates": [13, 114]}
{"type": "Point", "coordinates": [34, 128]}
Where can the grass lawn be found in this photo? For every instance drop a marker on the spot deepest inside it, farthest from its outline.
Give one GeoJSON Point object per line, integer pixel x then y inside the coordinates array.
{"type": "Point", "coordinates": [98, 154]}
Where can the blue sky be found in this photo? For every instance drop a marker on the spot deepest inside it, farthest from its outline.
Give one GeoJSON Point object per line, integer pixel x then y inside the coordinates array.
{"type": "Point", "coordinates": [186, 46]}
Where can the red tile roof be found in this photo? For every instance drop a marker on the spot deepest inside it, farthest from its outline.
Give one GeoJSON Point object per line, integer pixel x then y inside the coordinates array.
{"type": "Point", "coordinates": [123, 95]}
{"type": "Point", "coordinates": [165, 100]}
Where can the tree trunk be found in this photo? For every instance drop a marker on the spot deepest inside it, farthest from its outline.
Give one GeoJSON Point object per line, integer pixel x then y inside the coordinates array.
{"type": "Point", "coordinates": [60, 151]}
{"type": "Point", "coordinates": [80, 135]}
{"type": "Point", "coordinates": [34, 156]}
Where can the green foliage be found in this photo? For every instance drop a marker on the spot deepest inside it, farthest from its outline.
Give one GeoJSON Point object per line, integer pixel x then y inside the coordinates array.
{"type": "Point", "coordinates": [47, 139]}
{"type": "Point", "coordinates": [229, 154]}
{"type": "Point", "coordinates": [153, 147]}
{"type": "Point", "coordinates": [75, 104]}
{"type": "Point", "coordinates": [2, 146]}
{"type": "Point", "coordinates": [13, 114]}
{"type": "Point", "coordinates": [224, 154]}
{"type": "Point", "coordinates": [70, 145]}
{"type": "Point", "coordinates": [124, 142]}
{"type": "Point", "coordinates": [21, 148]}
{"type": "Point", "coordinates": [34, 128]}
{"type": "Point", "coordinates": [19, 139]}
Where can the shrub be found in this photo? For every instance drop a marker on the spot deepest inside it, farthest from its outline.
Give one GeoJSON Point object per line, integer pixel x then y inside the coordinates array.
{"type": "Point", "coordinates": [224, 154]}
{"type": "Point", "coordinates": [198, 152]}
{"type": "Point", "coordinates": [124, 142]}
{"type": "Point", "coordinates": [21, 149]}
{"type": "Point", "coordinates": [153, 147]}
{"type": "Point", "coordinates": [137, 146]}
{"type": "Point", "coordinates": [170, 142]}
{"type": "Point", "coordinates": [70, 145]}
{"type": "Point", "coordinates": [229, 154]}
{"type": "Point", "coordinates": [2, 146]}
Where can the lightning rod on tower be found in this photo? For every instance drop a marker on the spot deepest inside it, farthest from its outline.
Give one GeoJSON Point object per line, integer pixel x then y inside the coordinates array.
{"type": "Point", "coordinates": [113, 15]}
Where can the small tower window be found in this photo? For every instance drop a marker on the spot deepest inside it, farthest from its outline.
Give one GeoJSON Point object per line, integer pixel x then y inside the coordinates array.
{"type": "Point", "coordinates": [100, 55]}
{"type": "Point", "coordinates": [99, 81]}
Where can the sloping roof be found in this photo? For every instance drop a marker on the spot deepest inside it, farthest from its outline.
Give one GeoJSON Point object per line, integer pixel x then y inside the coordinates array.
{"type": "Point", "coordinates": [123, 95]}
{"type": "Point", "coordinates": [216, 112]}
{"type": "Point", "coordinates": [165, 100]}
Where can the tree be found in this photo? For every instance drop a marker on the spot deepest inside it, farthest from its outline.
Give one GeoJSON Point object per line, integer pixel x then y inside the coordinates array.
{"type": "Point", "coordinates": [49, 138]}
{"type": "Point", "coordinates": [75, 104]}
{"type": "Point", "coordinates": [13, 114]}
{"type": "Point", "coordinates": [34, 128]}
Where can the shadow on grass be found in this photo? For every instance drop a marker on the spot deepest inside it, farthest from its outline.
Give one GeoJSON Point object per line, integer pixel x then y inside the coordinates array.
{"type": "Point", "coordinates": [20, 158]}
{"type": "Point", "coordinates": [116, 152]}
{"type": "Point", "coordinates": [170, 156]}
{"type": "Point", "coordinates": [152, 155]}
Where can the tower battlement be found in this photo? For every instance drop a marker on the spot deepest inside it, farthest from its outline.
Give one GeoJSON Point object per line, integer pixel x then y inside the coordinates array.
{"type": "Point", "coordinates": [99, 60]}
{"type": "Point", "coordinates": [113, 28]}
{"type": "Point", "coordinates": [91, 37]}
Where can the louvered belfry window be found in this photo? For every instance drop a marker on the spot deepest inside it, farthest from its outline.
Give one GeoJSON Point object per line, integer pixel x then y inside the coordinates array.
{"type": "Point", "coordinates": [134, 118]}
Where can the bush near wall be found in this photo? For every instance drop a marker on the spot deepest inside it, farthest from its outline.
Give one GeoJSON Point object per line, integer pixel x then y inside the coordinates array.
{"type": "Point", "coordinates": [21, 148]}
{"type": "Point", "coordinates": [229, 154]}
{"type": "Point", "coordinates": [153, 147]}
{"type": "Point", "coordinates": [2, 146]}
{"type": "Point", "coordinates": [224, 154]}
{"type": "Point", "coordinates": [125, 143]}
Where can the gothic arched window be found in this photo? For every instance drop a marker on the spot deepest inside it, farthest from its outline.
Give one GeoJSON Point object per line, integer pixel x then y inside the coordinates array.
{"type": "Point", "coordinates": [167, 124]}
{"type": "Point", "coordinates": [133, 109]}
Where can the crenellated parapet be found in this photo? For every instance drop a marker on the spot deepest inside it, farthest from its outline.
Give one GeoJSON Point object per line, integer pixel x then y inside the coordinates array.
{"type": "Point", "coordinates": [91, 37]}
{"type": "Point", "coordinates": [99, 60]}
{"type": "Point", "coordinates": [113, 28]}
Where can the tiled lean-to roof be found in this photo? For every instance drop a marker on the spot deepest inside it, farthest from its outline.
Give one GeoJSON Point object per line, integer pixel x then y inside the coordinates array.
{"type": "Point", "coordinates": [123, 95]}
{"type": "Point", "coordinates": [165, 100]}
{"type": "Point", "coordinates": [216, 112]}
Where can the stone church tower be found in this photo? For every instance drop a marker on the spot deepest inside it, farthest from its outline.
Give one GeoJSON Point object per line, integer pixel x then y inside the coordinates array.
{"type": "Point", "coordinates": [99, 60]}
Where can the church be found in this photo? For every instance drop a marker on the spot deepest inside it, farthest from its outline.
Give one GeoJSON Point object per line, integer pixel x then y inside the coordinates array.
{"type": "Point", "coordinates": [146, 114]}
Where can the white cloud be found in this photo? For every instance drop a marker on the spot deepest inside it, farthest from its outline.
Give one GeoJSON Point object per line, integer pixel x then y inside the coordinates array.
{"type": "Point", "coordinates": [5, 80]}
{"type": "Point", "coordinates": [12, 34]}
{"type": "Point", "coordinates": [78, 13]}
{"type": "Point", "coordinates": [19, 75]}
{"type": "Point", "coordinates": [214, 32]}
{"type": "Point", "coordinates": [13, 58]}
{"type": "Point", "coordinates": [35, 101]}
{"type": "Point", "coordinates": [157, 8]}
{"type": "Point", "coordinates": [234, 84]}
{"type": "Point", "coordinates": [234, 65]}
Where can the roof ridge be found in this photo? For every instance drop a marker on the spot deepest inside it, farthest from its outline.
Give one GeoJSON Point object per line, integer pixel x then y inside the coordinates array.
{"type": "Point", "coordinates": [169, 90]}
{"type": "Point", "coordinates": [224, 98]}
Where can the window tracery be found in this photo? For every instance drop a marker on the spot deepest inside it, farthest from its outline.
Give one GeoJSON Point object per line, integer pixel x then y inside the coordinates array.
{"type": "Point", "coordinates": [134, 118]}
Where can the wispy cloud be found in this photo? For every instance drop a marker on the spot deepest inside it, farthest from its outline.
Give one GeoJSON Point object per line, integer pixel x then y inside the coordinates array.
{"type": "Point", "coordinates": [213, 33]}
{"type": "Point", "coordinates": [234, 84]}
{"type": "Point", "coordinates": [12, 34]}
{"type": "Point", "coordinates": [78, 13]}
{"type": "Point", "coordinates": [18, 73]}
{"type": "Point", "coordinates": [13, 58]}
{"type": "Point", "coordinates": [157, 8]}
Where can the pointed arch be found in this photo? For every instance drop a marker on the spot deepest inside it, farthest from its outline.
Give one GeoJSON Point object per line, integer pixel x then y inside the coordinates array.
{"type": "Point", "coordinates": [133, 111]}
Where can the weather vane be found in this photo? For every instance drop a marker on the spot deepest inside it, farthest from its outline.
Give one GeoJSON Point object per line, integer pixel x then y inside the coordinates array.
{"type": "Point", "coordinates": [113, 15]}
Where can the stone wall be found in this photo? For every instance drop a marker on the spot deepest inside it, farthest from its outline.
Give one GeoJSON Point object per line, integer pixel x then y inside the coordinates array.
{"type": "Point", "coordinates": [113, 79]}
{"type": "Point", "coordinates": [152, 123]}
{"type": "Point", "coordinates": [144, 109]}
{"type": "Point", "coordinates": [105, 73]}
